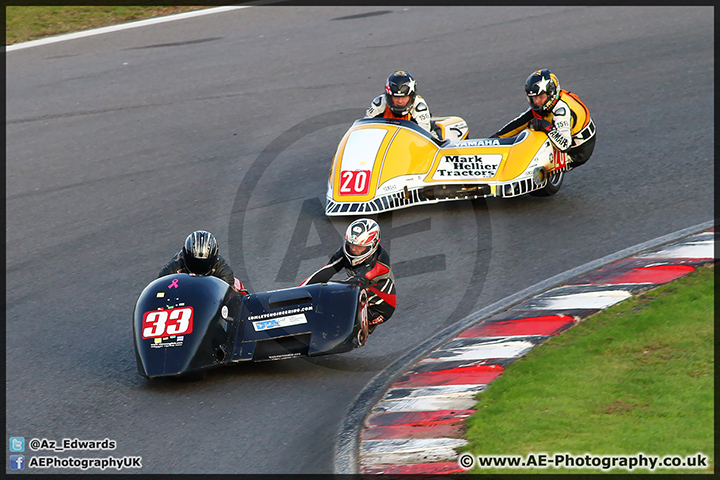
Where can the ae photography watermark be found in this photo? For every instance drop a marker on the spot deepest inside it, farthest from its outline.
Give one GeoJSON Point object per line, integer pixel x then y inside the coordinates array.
{"type": "Point", "coordinates": [278, 236]}
{"type": "Point", "coordinates": [22, 455]}
{"type": "Point", "coordinates": [605, 463]}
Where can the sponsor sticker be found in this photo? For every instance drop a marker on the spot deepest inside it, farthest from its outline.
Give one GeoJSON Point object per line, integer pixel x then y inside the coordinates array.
{"type": "Point", "coordinates": [174, 342]}
{"type": "Point", "coordinates": [459, 167]}
{"type": "Point", "coordinates": [280, 322]}
{"type": "Point", "coordinates": [284, 355]}
{"type": "Point", "coordinates": [479, 142]}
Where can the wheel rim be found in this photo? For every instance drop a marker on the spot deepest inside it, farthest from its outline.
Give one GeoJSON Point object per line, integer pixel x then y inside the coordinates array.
{"type": "Point", "coordinates": [555, 178]}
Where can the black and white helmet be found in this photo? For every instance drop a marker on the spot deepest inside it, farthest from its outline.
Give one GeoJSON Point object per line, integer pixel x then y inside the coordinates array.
{"type": "Point", "coordinates": [539, 82]}
{"type": "Point", "coordinates": [200, 252]}
{"type": "Point", "coordinates": [400, 84]}
{"type": "Point", "coordinates": [362, 239]}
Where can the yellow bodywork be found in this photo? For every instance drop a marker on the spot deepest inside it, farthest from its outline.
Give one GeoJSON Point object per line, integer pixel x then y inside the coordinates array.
{"type": "Point", "coordinates": [405, 157]}
{"type": "Point", "coordinates": [409, 154]}
{"type": "Point", "coordinates": [374, 163]}
{"type": "Point", "coordinates": [518, 158]}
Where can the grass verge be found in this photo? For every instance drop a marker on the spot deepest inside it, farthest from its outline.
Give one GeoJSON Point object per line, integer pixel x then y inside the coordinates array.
{"type": "Point", "coordinates": [635, 378]}
{"type": "Point", "coordinates": [24, 23]}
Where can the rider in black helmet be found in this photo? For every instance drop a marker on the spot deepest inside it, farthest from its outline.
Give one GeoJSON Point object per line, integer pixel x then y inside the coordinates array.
{"type": "Point", "coordinates": [557, 112]}
{"type": "Point", "coordinates": [199, 256]}
{"type": "Point", "coordinates": [401, 101]}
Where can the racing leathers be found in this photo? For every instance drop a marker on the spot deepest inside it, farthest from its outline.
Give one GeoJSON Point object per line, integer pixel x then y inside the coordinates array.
{"type": "Point", "coordinates": [419, 113]}
{"type": "Point", "coordinates": [375, 275]}
{"type": "Point", "coordinates": [568, 127]}
{"type": "Point", "coordinates": [220, 269]}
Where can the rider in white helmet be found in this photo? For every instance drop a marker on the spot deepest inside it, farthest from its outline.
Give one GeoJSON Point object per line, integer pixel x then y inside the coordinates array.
{"type": "Point", "coordinates": [367, 264]}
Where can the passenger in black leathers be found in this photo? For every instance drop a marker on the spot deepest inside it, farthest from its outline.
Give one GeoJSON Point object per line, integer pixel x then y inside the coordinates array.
{"type": "Point", "coordinates": [366, 264]}
{"type": "Point", "coordinates": [199, 256]}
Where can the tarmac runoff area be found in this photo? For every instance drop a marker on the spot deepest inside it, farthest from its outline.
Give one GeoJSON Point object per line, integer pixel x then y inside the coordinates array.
{"type": "Point", "coordinates": [409, 419]}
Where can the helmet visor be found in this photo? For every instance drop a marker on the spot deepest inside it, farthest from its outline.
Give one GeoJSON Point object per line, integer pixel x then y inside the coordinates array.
{"type": "Point", "coordinates": [198, 266]}
{"type": "Point", "coordinates": [400, 102]}
{"type": "Point", "coordinates": [357, 250]}
{"type": "Point", "coordinates": [538, 99]}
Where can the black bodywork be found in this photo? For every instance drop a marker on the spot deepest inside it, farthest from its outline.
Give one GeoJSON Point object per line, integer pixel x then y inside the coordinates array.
{"type": "Point", "coordinates": [184, 323]}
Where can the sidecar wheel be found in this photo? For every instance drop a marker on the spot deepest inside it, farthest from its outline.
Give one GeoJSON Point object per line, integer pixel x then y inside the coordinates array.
{"type": "Point", "coordinates": [553, 185]}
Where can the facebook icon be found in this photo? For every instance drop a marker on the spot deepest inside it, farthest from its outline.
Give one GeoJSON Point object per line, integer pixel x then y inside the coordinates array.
{"type": "Point", "coordinates": [17, 462]}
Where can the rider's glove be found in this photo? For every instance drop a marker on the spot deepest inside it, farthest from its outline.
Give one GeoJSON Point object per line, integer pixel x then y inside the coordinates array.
{"type": "Point", "coordinates": [541, 125]}
{"type": "Point", "coordinates": [377, 320]}
{"type": "Point", "coordinates": [239, 287]}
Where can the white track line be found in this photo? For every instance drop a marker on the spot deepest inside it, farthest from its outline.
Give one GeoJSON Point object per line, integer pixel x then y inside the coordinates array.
{"type": "Point", "coordinates": [592, 300]}
{"type": "Point", "coordinates": [410, 451]}
{"type": "Point", "coordinates": [427, 404]}
{"type": "Point", "coordinates": [410, 445]}
{"type": "Point", "coordinates": [122, 26]}
{"type": "Point", "coordinates": [700, 249]}
{"type": "Point", "coordinates": [502, 348]}
{"type": "Point", "coordinates": [434, 391]}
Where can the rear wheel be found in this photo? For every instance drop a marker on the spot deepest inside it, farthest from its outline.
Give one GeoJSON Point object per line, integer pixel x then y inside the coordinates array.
{"type": "Point", "coordinates": [554, 183]}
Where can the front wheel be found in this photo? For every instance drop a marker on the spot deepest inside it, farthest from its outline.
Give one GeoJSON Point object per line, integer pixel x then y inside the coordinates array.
{"type": "Point", "coordinates": [554, 183]}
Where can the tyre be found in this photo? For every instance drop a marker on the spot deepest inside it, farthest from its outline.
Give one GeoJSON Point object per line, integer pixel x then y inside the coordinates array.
{"type": "Point", "coordinates": [551, 188]}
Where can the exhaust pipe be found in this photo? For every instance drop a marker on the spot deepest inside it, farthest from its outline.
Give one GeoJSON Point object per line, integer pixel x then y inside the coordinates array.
{"type": "Point", "coordinates": [540, 176]}
{"type": "Point", "coordinates": [220, 353]}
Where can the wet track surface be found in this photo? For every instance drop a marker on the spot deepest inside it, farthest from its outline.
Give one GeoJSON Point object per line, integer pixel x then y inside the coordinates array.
{"type": "Point", "coordinates": [120, 145]}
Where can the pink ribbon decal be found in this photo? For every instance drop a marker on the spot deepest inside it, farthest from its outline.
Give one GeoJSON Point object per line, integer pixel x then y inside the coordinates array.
{"type": "Point", "coordinates": [173, 284]}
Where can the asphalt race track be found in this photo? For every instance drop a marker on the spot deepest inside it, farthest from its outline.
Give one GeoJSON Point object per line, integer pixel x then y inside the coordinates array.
{"type": "Point", "coordinates": [119, 145]}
